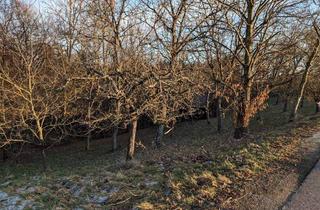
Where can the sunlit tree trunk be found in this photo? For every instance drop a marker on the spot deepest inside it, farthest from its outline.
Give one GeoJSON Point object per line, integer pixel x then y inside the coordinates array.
{"type": "Point", "coordinates": [302, 102]}
{"type": "Point", "coordinates": [304, 81]}
{"type": "Point", "coordinates": [132, 139]}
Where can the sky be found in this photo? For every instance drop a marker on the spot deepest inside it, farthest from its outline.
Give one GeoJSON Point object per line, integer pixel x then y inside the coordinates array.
{"type": "Point", "coordinates": [38, 3]}
{"type": "Point", "coordinates": [41, 5]}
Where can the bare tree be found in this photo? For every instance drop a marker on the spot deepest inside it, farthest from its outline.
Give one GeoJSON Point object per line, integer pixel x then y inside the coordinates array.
{"type": "Point", "coordinates": [255, 26]}
{"type": "Point", "coordinates": [68, 22]}
{"type": "Point", "coordinates": [308, 66]}
{"type": "Point", "coordinates": [313, 90]}
{"type": "Point", "coordinates": [30, 83]}
{"type": "Point", "coordinates": [174, 26]}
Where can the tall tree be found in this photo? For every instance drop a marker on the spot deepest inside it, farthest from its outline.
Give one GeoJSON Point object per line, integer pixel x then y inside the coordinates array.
{"type": "Point", "coordinates": [256, 26]}
{"type": "Point", "coordinates": [308, 67]}
{"type": "Point", "coordinates": [174, 26]}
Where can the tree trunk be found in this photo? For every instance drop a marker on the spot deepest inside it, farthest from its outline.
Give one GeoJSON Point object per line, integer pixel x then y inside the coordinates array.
{"type": "Point", "coordinates": [302, 102]}
{"type": "Point", "coordinates": [285, 105]}
{"type": "Point", "coordinates": [40, 130]}
{"type": "Point", "coordinates": [160, 130]}
{"type": "Point", "coordinates": [242, 121]}
{"type": "Point", "coordinates": [277, 100]}
{"type": "Point", "coordinates": [317, 107]}
{"type": "Point", "coordinates": [208, 108]}
{"type": "Point", "coordinates": [219, 117]}
{"type": "Point", "coordinates": [132, 139]}
{"type": "Point", "coordinates": [159, 135]}
{"type": "Point", "coordinates": [3, 103]}
{"type": "Point", "coordinates": [289, 87]}
{"type": "Point", "coordinates": [116, 128]}
{"type": "Point", "coordinates": [4, 155]}
{"type": "Point", "coordinates": [242, 128]}
{"type": "Point", "coordinates": [44, 160]}
{"type": "Point", "coordinates": [115, 138]}
{"type": "Point", "coordinates": [88, 140]}
{"type": "Point", "coordinates": [304, 81]}
{"type": "Point", "coordinates": [89, 118]}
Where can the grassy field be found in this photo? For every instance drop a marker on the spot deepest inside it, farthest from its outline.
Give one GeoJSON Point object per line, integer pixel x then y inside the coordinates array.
{"type": "Point", "coordinates": [196, 168]}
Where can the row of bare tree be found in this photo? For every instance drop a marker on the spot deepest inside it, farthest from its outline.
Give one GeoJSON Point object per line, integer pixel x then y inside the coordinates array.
{"type": "Point", "coordinates": [76, 67]}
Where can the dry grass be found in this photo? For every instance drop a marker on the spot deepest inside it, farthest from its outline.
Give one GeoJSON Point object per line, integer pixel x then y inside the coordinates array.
{"type": "Point", "coordinates": [196, 168]}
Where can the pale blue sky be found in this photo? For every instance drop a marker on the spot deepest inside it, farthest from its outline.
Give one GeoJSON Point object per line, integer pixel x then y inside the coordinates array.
{"type": "Point", "coordinates": [42, 4]}
{"type": "Point", "coordinates": [38, 3]}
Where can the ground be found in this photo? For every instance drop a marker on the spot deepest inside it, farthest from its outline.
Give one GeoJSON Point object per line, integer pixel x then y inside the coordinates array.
{"type": "Point", "coordinates": [196, 168]}
{"type": "Point", "coordinates": [307, 196]}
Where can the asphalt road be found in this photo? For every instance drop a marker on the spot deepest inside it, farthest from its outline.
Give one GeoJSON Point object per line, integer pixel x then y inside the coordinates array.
{"type": "Point", "coordinates": [308, 195]}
